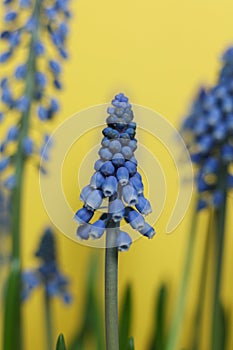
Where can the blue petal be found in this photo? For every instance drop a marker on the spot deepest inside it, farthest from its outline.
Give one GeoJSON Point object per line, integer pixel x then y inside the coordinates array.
{"type": "Point", "coordinates": [94, 200]}
{"type": "Point", "coordinates": [122, 175]}
{"type": "Point", "coordinates": [97, 229]}
{"type": "Point", "coordinates": [107, 168]}
{"type": "Point", "coordinates": [129, 195]}
{"type": "Point", "coordinates": [116, 210]}
{"type": "Point", "coordinates": [135, 219]}
{"type": "Point", "coordinates": [124, 241]}
{"type": "Point", "coordinates": [97, 180]}
{"type": "Point", "coordinates": [28, 146]}
{"type": "Point", "coordinates": [109, 186]}
{"type": "Point", "coordinates": [83, 231]}
{"type": "Point", "coordinates": [13, 133]}
{"type": "Point", "coordinates": [147, 231]}
{"type": "Point", "coordinates": [83, 215]}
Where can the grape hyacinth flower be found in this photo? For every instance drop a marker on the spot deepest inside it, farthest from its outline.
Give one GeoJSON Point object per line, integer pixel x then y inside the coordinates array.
{"type": "Point", "coordinates": [47, 275]}
{"type": "Point", "coordinates": [116, 179]}
{"type": "Point", "coordinates": [32, 69]}
{"type": "Point", "coordinates": [208, 133]}
{"type": "Point", "coordinates": [26, 93]}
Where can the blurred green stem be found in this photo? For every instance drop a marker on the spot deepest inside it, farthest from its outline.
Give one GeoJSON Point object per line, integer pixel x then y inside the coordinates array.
{"type": "Point", "coordinates": [195, 344]}
{"type": "Point", "coordinates": [17, 193]}
{"type": "Point", "coordinates": [219, 245]}
{"type": "Point", "coordinates": [48, 322]}
{"type": "Point", "coordinates": [23, 133]}
{"type": "Point", "coordinates": [111, 288]}
{"type": "Point", "coordinates": [177, 321]}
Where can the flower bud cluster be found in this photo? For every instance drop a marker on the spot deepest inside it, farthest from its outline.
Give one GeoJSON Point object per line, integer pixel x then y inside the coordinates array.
{"type": "Point", "coordinates": [208, 133]}
{"type": "Point", "coordinates": [29, 27]}
{"type": "Point", "coordinates": [117, 178]}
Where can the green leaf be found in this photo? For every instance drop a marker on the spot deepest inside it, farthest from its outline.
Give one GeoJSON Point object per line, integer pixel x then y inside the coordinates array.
{"type": "Point", "coordinates": [130, 344]}
{"type": "Point", "coordinates": [221, 327]}
{"type": "Point", "coordinates": [61, 343]}
{"type": "Point", "coordinates": [159, 329]}
{"type": "Point", "coordinates": [11, 328]}
{"type": "Point", "coordinates": [125, 318]}
{"type": "Point", "coordinates": [92, 323]}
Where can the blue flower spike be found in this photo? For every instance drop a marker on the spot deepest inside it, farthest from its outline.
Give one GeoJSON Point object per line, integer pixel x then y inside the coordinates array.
{"type": "Point", "coordinates": [117, 180]}
{"type": "Point", "coordinates": [27, 21]}
{"type": "Point", "coordinates": [47, 275]}
{"type": "Point", "coordinates": [207, 131]}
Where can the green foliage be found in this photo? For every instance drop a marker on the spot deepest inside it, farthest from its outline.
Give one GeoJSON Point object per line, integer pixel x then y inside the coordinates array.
{"type": "Point", "coordinates": [125, 318]}
{"type": "Point", "coordinates": [61, 343]}
{"type": "Point", "coordinates": [92, 323]}
{"type": "Point", "coordinates": [130, 344]}
{"type": "Point", "coordinates": [159, 329]}
{"type": "Point", "coordinates": [11, 331]}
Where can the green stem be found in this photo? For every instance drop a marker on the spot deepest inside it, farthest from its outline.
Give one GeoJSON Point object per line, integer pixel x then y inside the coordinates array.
{"type": "Point", "coordinates": [23, 132]}
{"type": "Point", "coordinates": [219, 247]}
{"type": "Point", "coordinates": [177, 321]}
{"type": "Point", "coordinates": [19, 159]}
{"type": "Point", "coordinates": [48, 322]}
{"type": "Point", "coordinates": [202, 287]}
{"type": "Point", "coordinates": [111, 289]}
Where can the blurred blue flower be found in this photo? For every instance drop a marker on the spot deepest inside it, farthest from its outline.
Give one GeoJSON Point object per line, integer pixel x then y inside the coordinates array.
{"type": "Point", "coordinates": [117, 179]}
{"type": "Point", "coordinates": [208, 133]}
{"type": "Point", "coordinates": [47, 275]}
{"type": "Point", "coordinates": [26, 24]}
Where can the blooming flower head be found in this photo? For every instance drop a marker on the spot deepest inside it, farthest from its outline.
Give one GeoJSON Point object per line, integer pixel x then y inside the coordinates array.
{"type": "Point", "coordinates": [116, 178]}
{"type": "Point", "coordinates": [47, 274]}
{"type": "Point", "coordinates": [208, 132]}
{"type": "Point", "coordinates": [26, 94]}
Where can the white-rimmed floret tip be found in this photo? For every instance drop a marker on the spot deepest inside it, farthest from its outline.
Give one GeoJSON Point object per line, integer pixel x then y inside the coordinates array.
{"type": "Point", "coordinates": [109, 186]}
{"type": "Point", "coordinates": [129, 195]}
{"type": "Point", "coordinates": [116, 210]}
{"type": "Point", "coordinates": [94, 200]}
{"type": "Point", "coordinates": [147, 231]}
{"type": "Point", "coordinates": [122, 175]}
{"type": "Point", "coordinates": [97, 229]}
{"type": "Point", "coordinates": [137, 184]}
{"type": "Point", "coordinates": [143, 205]}
{"type": "Point", "coordinates": [124, 241]}
{"type": "Point", "coordinates": [85, 193]}
{"type": "Point", "coordinates": [135, 219]}
{"type": "Point", "coordinates": [97, 180]}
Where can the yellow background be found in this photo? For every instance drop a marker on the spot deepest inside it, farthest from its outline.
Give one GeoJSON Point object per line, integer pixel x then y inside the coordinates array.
{"type": "Point", "coordinates": [158, 53]}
